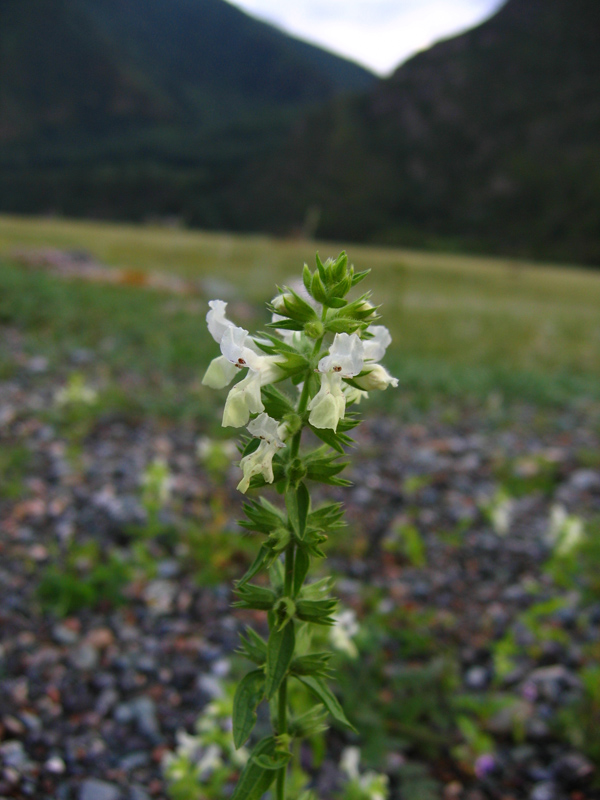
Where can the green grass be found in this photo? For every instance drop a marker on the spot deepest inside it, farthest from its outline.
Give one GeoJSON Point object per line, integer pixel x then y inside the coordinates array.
{"type": "Point", "coordinates": [462, 326]}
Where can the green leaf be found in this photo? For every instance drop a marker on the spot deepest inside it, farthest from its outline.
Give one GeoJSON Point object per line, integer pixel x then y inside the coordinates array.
{"type": "Point", "coordinates": [277, 405]}
{"type": "Point", "coordinates": [312, 664]}
{"type": "Point", "coordinates": [297, 308]}
{"type": "Point", "coordinates": [276, 761]}
{"type": "Point", "coordinates": [280, 651]}
{"type": "Point", "coordinates": [262, 559]}
{"type": "Point", "coordinates": [317, 289]}
{"type": "Point", "coordinates": [306, 277]}
{"type": "Point", "coordinates": [334, 439]}
{"type": "Point", "coordinates": [317, 611]}
{"type": "Point", "coordinates": [256, 780]}
{"type": "Point", "coordinates": [251, 446]}
{"type": "Point", "coordinates": [254, 648]}
{"type": "Point", "coordinates": [301, 565]}
{"type": "Point", "coordinates": [321, 268]}
{"type": "Point", "coordinates": [297, 502]}
{"type": "Point", "coordinates": [342, 325]}
{"type": "Point", "coordinates": [249, 693]}
{"type": "Point", "coordinates": [263, 517]}
{"type": "Point", "coordinates": [326, 696]}
{"type": "Point", "coordinates": [360, 276]}
{"type": "Point", "coordinates": [286, 325]}
{"type": "Point", "coordinates": [253, 596]}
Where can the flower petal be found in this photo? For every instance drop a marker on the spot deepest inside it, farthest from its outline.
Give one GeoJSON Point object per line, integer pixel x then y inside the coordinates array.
{"type": "Point", "coordinates": [220, 373]}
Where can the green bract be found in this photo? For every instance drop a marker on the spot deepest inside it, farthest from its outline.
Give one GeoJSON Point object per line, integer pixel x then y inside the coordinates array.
{"type": "Point", "coordinates": [319, 356]}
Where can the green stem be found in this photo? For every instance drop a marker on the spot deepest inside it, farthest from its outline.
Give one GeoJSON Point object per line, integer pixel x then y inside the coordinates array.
{"type": "Point", "coordinates": [282, 774]}
{"type": "Point", "coordinates": [282, 696]}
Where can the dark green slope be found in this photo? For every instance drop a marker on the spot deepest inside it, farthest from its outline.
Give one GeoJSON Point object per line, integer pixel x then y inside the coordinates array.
{"type": "Point", "coordinates": [490, 140]}
{"type": "Point", "coordinates": [126, 108]}
{"type": "Point", "coordinates": [89, 64]}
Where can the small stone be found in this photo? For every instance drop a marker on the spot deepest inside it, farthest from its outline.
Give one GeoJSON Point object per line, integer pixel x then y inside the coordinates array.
{"type": "Point", "coordinates": [64, 634]}
{"type": "Point", "coordinates": [477, 678]}
{"type": "Point", "coordinates": [573, 768]}
{"type": "Point", "coordinates": [134, 761]}
{"type": "Point", "coordinates": [137, 793]}
{"type": "Point", "coordinates": [108, 698]}
{"type": "Point", "coordinates": [55, 765]}
{"type": "Point", "coordinates": [93, 789]}
{"type": "Point", "coordinates": [84, 657]}
{"type": "Point", "coordinates": [37, 364]}
{"type": "Point", "coordinates": [544, 791]}
{"type": "Point", "coordinates": [100, 638]}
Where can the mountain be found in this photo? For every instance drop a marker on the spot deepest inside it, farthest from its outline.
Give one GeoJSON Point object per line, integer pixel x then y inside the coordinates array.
{"type": "Point", "coordinates": [95, 94]}
{"type": "Point", "coordinates": [488, 141]}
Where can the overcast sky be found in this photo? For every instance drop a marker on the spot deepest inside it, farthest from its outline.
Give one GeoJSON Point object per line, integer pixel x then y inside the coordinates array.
{"type": "Point", "coordinates": [377, 33]}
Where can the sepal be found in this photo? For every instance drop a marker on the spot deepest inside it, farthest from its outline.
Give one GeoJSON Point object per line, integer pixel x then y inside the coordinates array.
{"type": "Point", "coordinates": [319, 612]}
{"type": "Point", "coordinates": [312, 664]}
{"type": "Point", "coordinates": [254, 648]}
{"type": "Point", "coordinates": [256, 597]}
{"type": "Point", "coordinates": [310, 723]}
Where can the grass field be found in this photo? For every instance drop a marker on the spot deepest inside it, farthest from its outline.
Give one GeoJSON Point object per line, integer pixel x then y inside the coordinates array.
{"type": "Point", "coordinates": [462, 326]}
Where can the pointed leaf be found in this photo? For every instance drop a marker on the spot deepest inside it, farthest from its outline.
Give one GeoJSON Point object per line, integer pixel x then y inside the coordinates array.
{"type": "Point", "coordinates": [254, 648]}
{"type": "Point", "coordinates": [301, 565]}
{"type": "Point", "coordinates": [326, 696]}
{"type": "Point", "coordinates": [275, 761]}
{"type": "Point", "coordinates": [280, 651]}
{"type": "Point", "coordinates": [249, 693]}
{"type": "Point", "coordinates": [262, 559]}
{"type": "Point", "coordinates": [306, 277]}
{"type": "Point", "coordinates": [297, 502]}
{"type": "Point", "coordinates": [256, 780]}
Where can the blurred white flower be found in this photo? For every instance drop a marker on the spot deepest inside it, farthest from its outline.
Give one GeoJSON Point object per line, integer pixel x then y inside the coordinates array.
{"type": "Point", "coordinates": [343, 631]}
{"type": "Point", "coordinates": [500, 512]}
{"type": "Point", "coordinates": [565, 531]}
{"type": "Point", "coordinates": [76, 391]}
{"type": "Point", "coordinates": [260, 462]}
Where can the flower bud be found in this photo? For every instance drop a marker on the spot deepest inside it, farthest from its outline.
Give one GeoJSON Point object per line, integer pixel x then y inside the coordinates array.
{"type": "Point", "coordinates": [376, 378]}
{"type": "Point", "coordinates": [314, 329]}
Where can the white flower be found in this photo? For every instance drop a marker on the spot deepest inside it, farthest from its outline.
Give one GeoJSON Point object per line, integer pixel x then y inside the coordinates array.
{"type": "Point", "coordinates": [349, 762]}
{"type": "Point", "coordinates": [210, 761]}
{"type": "Point", "coordinates": [566, 531]}
{"type": "Point", "coordinates": [345, 360]}
{"type": "Point", "coordinates": [216, 320]}
{"type": "Point", "coordinates": [260, 462]}
{"type": "Point", "coordinates": [346, 356]}
{"type": "Point", "coordinates": [237, 347]}
{"type": "Point", "coordinates": [375, 377]}
{"type": "Point", "coordinates": [343, 631]}
{"type": "Point", "coordinates": [501, 512]}
{"type": "Point", "coordinates": [329, 404]}
{"type": "Point", "coordinates": [244, 398]}
{"type": "Point", "coordinates": [75, 392]}
{"type": "Point", "coordinates": [220, 373]}
{"type": "Point", "coordinates": [374, 349]}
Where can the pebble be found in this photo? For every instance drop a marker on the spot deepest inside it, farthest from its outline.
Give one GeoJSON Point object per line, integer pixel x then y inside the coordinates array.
{"type": "Point", "coordinates": [84, 657]}
{"type": "Point", "coordinates": [104, 690]}
{"type": "Point", "coordinates": [546, 790]}
{"type": "Point", "coordinates": [93, 789]}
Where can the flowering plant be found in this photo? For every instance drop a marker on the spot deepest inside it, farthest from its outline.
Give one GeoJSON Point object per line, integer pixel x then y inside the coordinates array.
{"type": "Point", "coordinates": [329, 348]}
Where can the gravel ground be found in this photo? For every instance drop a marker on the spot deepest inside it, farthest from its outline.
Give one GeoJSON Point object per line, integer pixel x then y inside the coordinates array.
{"type": "Point", "coordinates": [90, 703]}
